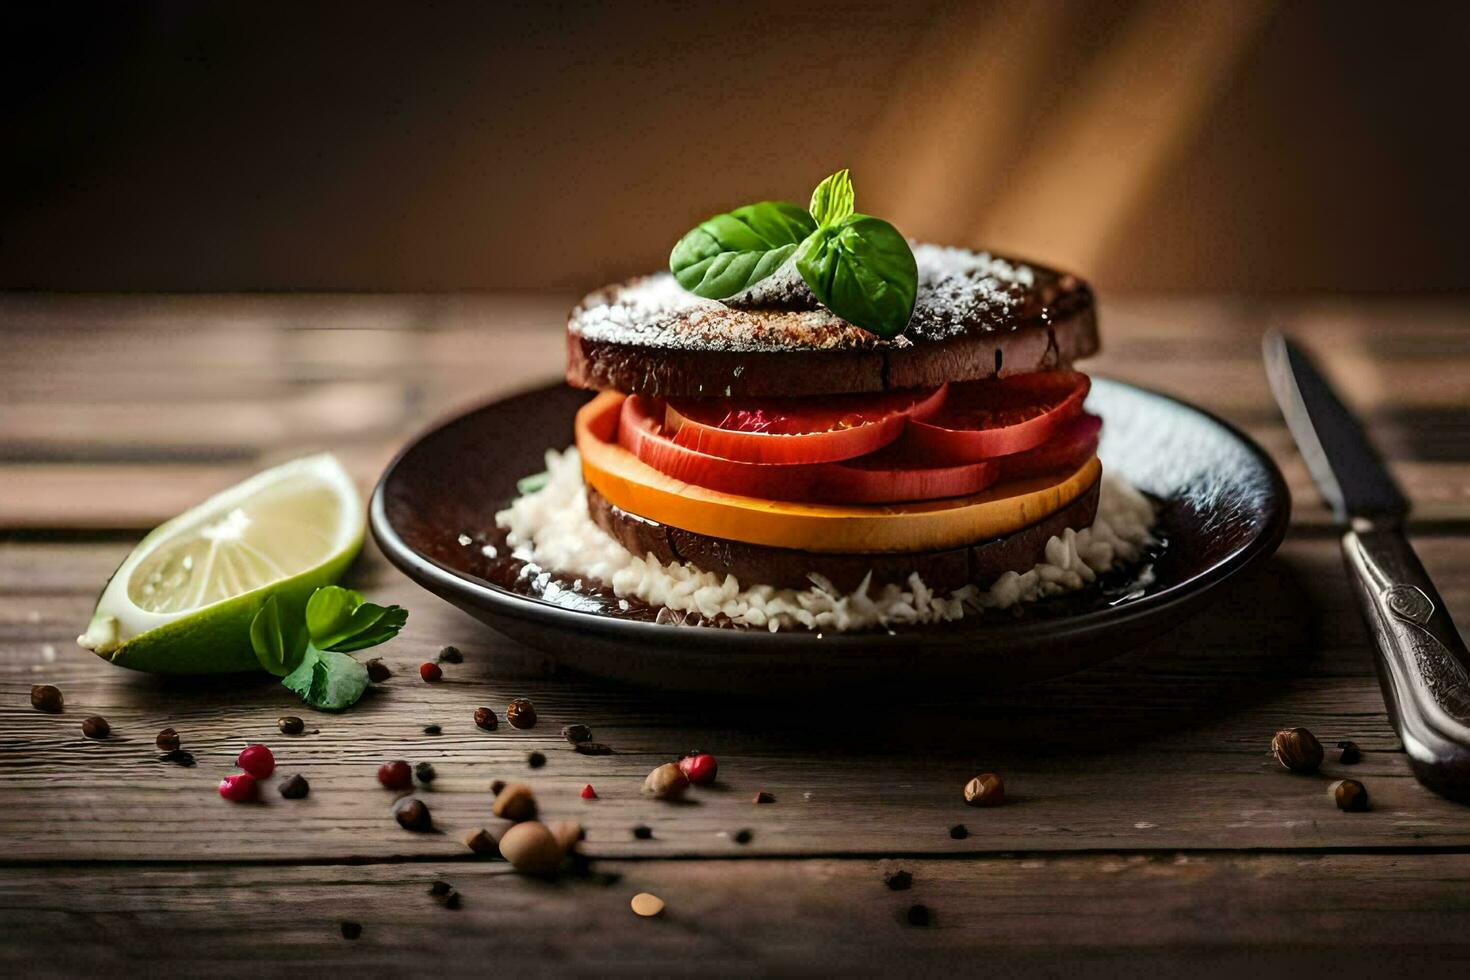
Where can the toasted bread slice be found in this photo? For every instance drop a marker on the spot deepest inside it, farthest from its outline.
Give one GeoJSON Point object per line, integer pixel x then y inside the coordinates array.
{"type": "Point", "coordinates": [976, 316]}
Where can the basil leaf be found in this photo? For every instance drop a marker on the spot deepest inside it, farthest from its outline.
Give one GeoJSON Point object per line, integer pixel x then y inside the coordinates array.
{"type": "Point", "coordinates": [832, 200]}
{"type": "Point", "coordinates": [732, 252]}
{"type": "Point", "coordinates": [328, 611]}
{"type": "Point", "coordinates": [278, 646]}
{"type": "Point", "coordinates": [369, 625]}
{"type": "Point", "coordinates": [328, 680]}
{"type": "Point", "coordinates": [863, 270]}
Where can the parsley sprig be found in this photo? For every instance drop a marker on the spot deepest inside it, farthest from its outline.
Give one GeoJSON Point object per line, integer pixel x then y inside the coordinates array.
{"type": "Point", "coordinates": [308, 649]}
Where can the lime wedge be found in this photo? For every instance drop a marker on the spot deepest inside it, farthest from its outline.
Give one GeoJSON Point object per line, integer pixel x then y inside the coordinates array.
{"type": "Point", "coordinates": [182, 602]}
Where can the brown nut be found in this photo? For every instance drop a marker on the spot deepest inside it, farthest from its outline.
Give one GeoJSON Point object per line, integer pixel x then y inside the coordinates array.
{"type": "Point", "coordinates": [515, 802]}
{"type": "Point", "coordinates": [167, 740]}
{"type": "Point", "coordinates": [566, 832]}
{"type": "Point", "coordinates": [521, 713]}
{"type": "Point", "coordinates": [378, 671]}
{"type": "Point", "coordinates": [413, 814]}
{"type": "Point", "coordinates": [47, 698]}
{"type": "Point", "coordinates": [1349, 795]}
{"type": "Point", "coordinates": [531, 848]}
{"type": "Point", "coordinates": [481, 841]}
{"type": "Point", "coordinates": [96, 727]}
{"type": "Point", "coordinates": [986, 789]}
{"type": "Point", "coordinates": [667, 782]}
{"type": "Point", "coordinates": [485, 718]}
{"type": "Point", "coordinates": [1297, 750]}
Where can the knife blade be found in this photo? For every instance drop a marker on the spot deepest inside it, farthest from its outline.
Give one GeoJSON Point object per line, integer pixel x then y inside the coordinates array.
{"type": "Point", "coordinates": [1421, 660]}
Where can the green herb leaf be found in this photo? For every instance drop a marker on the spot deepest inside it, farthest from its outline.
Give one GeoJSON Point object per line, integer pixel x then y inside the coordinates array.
{"type": "Point", "coordinates": [832, 200]}
{"type": "Point", "coordinates": [328, 680]}
{"type": "Point", "coordinates": [338, 619]}
{"type": "Point", "coordinates": [532, 483]}
{"type": "Point", "coordinates": [732, 252]}
{"type": "Point", "coordinates": [863, 270]}
{"type": "Point", "coordinates": [278, 646]}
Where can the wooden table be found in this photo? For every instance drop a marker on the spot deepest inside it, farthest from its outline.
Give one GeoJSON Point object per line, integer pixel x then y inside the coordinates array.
{"type": "Point", "coordinates": [1147, 827]}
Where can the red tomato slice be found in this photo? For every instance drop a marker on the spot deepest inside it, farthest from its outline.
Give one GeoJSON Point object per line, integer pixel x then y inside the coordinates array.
{"type": "Point", "coordinates": [999, 416]}
{"type": "Point", "coordinates": [880, 478]}
{"type": "Point", "coordinates": [796, 430]}
{"type": "Point", "coordinates": [1072, 445]}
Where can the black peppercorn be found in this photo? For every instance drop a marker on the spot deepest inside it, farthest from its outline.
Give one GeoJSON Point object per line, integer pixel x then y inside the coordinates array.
{"type": "Point", "coordinates": [451, 901]}
{"type": "Point", "coordinates": [1350, 755]}
{"type": "Point", "coordinates": [413, 814]}
{"type": "Point", "coordinates": [351, 930]}
{"type": "Point", "coordinates": [958, 832]}
{"type": "Point", "coordinates": [295, 787]}
{"type": "Point", "coordinates": [742, 836]}
{"type": "Point", "coordinates": [290, 725]}
{"type": "Point", "coordinates": [45, 697]}
{"type": "Point", "coordinates": [378, 671]}
{"type": "Point", "coordinates": [440, 888]}
{"type": "Point", "coordinates": [496, 786]}
{"type": "Point", "coordinates": [521, 713]}
{"type": "Point", "coordinates": [167, 740]}
{"type": "Point", "coordinates": [535, 760]}
{"type": "Point", "coordinates": [433, 730]}
{"type": "Point", "coordinates": [592, 748]}
{"type": "Point", "coordinates": [576, 733]}
{"type": "Point", "coordinates": [1297, 750]}
{"type": "Point", "coordinates": [1350, 795]}
{"type": "Point", "coordinates": [764, 797]}
{"type": "Point", "coordinates": [450, 655]}
{"type": "Point", "coordinates": [96, 727]}
{"type": "Point", "coordinates": [424, 772]}
{"type": "Point", "coordinates": [641, 832]}
{"type": "Point", "coordinates": [899, 881]}
{"type": "Point", "coordinates": [918, 915]}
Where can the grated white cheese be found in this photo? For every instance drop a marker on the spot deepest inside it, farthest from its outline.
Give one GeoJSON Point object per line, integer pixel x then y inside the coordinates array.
{"type": "Point", "coordinates": [551, 529]}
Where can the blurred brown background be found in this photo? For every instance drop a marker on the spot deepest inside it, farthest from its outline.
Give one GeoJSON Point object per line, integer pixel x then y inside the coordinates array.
{"type": "Point", "coordinates": [1150, 144]}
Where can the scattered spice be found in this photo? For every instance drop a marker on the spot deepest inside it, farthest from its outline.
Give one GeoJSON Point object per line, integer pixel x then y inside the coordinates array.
{"type": "Point", "coordinates": [180, 756]}
{"type": "Point", "coordinates": [959, 832]}
{"type": "Point", "coordinates": [257, 760]}
{"type": "Point", "coordinates": [647, 905]}
{"type": "Point", "coordinates": [986, 789]}
{"type": "Point", "coordinates": [764, 797]}
{"type": "Point", "coordinates": [290, 725]}
{"type": "Point", "coordinates": [431, 673]}
{"type": "Point", "coordinates": [496, 786]}
{"type": "Point", "coordinates": [666, 782]}
{"type": "Point", "coordinates": [641, 832]}
{"type": "Point", "coordinates": [378, 671]}
{"type": "Point", "coordinates": [451, 901]}
{"type": "Point", "coordinates": [515, 802]}
{"type": "Point", "coordinates": [588, 793]}
{"type": "Point", "coordinates": [413, 814]}
{"type": "Point", "coordinates": [47, 698]}
{"type": "Point", "coordinates": [521, 713]}
{"type": "Point", "coordinates": [919, 915]}
{"type": "Point", "coordinates": [1349, 795]}
{"type": "Point", "coordinates": [1350, 755]}
{"type": "Point", "coordinates": [440, 888]}
{"type": "Point", "coordinates": [295, 787]}
{"type": "Point", "coordinates": [592, 748]}
{"type": "Point", "coordinates": [451, 655]}
{"type": "Point", "coordinates": [485, 718]}
{"type": "Point", "coordinates": [535, 760]}
{"type": "Point", "coordinates": [239, 788]}
{"type": "Point", "coordinates": [395, 774]}
{"type": "Point", "coordinates": [531, 848]}
{"type": "Point", "coordinates": [481, 841]}
{"type": "Point", "coordinates": [1297, 750]}
{"type": "Point", "coordinates": [351, 930]}
{"type": "Point", "coordinates": [424, 772]}
{"type": "Point", "coordinates": [96, 727]}
{"type": "Point", "coordinates": [576, 733]}
{"type": "Point", "coordinates": [899, 881]}
{"type": "Point", "coordinates": [742, 836]}
{"type": "Point", "coordinates": [699, 768]}
{"type": "Point", "coordinates": [167, 740]}
{"type": "Point", "coordinates": [433, 730]}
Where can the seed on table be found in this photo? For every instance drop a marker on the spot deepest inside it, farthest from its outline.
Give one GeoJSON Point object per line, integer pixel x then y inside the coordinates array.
{"type": "Point", "coordinates": [959, 832]}
{"type": "Point", "coordinates": [919, 915]}
{"type": "Point", "coordinates": [986, 789]}
{"type": "Point", "coordinates": [531, 848]}
{"type": "Point", "coordinates": [514, 802]}
{"type": "Point", "coordinates": [395, 774]}
{"type": "Point", "coordinates": [47, 698]}
{"type": "Point", "coordinates": [425, 773]}
{"type": "Point", "coordinates": [588, 793]}
{"type": "Point", "coordinates": [764, 797]}
{"type": "Point", "coordinates": [1350, 755]}
{"type": "Point", "coordinates": [167, 740]}
{"type": "Point", "coordinates": [666, 782]}
{"type": "Point", "coordinates": [535, 760]}
{"type": "Point", "coordinates": [433, 730]}
{"type": "Point", "coordinates": [647, 905]}
{"type": "Point", "coordinates": [431, 673]}
{"type": "Point", "coordinates": [481, 841]}
{"type": "Point", "coordinates": [521, 713]}
{"type": "Point", "coordinates": [742, 836]}
{"type": "Point", "coordinates": [351, 930]}
{"type": "Point", "coordinates": [378, 671]}
{"type": "Point", "coordinates": [413, 814]}
{"type": "Point", "coordinates": [257, 760]}
{"type": "Point", "coordinates": [592, 748]}
{"type": "Point", "coordinates": [576, 733]}
{"type": "Point", "coordinates": [1297, 750]}
{"type": "Point", "coordinates": [239, 788]}
{"type": "Point", "coordinates": [899, 881]}
{"type": "Point", "coordinates": [485, 718]}
{"type": "Point", "coordinates": [641, 832]}
{"type": "Point", "coordinates": [439, 888]}
{"type": "Point", "coordinates": [496, 786]}
{"type": "Point", "coordinates": [1349, 795]}
{"type": "Point", "coordinates": [295, 787]}
{"type": "Point", "coordinates": [290, 725]}
{"type": "Point", "coordinates": [451, 655]}
{"type": "Point", "coordinates": [699, 768]}
{"type": "Point", "coordinates": [96, 727]}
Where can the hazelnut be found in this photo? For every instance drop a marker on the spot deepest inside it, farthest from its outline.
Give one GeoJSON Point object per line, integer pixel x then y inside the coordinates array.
{"type": "Point", "coordinates": [485, 718]}
{"type": "Point", "coordinates": [1297, 750]}
{"type": "Point", "coordinates": [667, 782]}
{"type": "Point", "coordinates": [986, 789]}
{"type": "Point", "coordinates": [515, 802]}
{"type": "Point", "coordinates": [481, 841]}
{"type": "Point", "coordinates": [1349, 795]}
{"type": "Point", "coordinates": [531, 848]}
{"type": "Point", "coordinates": [96, 727]}
{"type": "Point", "coordinates": [521, 713]}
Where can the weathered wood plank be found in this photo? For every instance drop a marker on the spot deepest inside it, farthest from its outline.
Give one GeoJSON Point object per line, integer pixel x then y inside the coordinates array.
{"type": "Point", "coordinates": [1065, 915]}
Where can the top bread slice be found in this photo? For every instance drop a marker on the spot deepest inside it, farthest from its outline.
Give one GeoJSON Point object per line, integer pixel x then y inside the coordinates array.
{"type": "Point", "coordinates": [976, 315]}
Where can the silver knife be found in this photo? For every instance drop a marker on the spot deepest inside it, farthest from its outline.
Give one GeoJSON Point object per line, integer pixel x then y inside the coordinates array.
{"type": "Point", "coordinates": [1422, 662]}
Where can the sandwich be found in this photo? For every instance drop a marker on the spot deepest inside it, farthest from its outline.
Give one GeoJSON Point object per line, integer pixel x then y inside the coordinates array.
{"type": "Point", "coordinates": [809, 421]}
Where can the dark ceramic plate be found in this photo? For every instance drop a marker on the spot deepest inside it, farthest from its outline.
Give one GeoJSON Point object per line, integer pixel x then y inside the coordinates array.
{"type": "Point", "coordinates": [1223, 508]}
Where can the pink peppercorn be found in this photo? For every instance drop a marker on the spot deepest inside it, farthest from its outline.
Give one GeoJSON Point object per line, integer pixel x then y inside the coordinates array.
{"type": "Point", "coordinates": [588, 793]}
{"type": "Point", "coordinates": [257, 760]}
{"type": "Point", "coordinates": [699, 769]}
{"type": "Point", "coordinates": [239, 788]}
{"type": "Point", "coordinates": [431, 672]}
{"type": "Point", "coordinates": [395, 775]}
